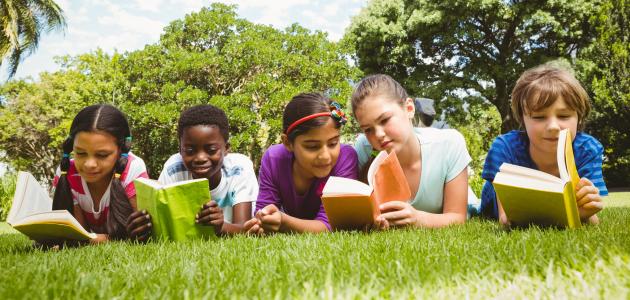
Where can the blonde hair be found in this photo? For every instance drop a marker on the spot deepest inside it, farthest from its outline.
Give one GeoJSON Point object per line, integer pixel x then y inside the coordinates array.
{"type": "Point", "coordinates": [539, 87]}
{"type": "Point", "coordinates": [378, 85]}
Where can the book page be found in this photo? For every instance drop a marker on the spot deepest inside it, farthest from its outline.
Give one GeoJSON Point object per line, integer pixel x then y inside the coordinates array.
{"type": "Point", "coordinates": [528, 173]}
{"type": "Point", "coordinates": [345, 186]}
{"type": "Point", "coordinates": [528, 182]}
{"type": "Point", "coordinates": [42, 225]}
{"type": "Point", "coordinates": [388, 179]}
{"type": "Point", "coordinates": [566, 159]}
{"type": "Point", "coordinates": [29, 198]}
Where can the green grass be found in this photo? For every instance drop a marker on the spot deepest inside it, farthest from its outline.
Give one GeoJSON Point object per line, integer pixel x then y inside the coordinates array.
{"type": "Point", "coordinates": [476, 260]}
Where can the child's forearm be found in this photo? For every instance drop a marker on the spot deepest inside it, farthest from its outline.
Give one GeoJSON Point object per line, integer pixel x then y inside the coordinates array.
{"type": "Point", "coordinates": [293, 224]}
{"type": "Point", "coordinates": [431, 220]}
{"type": "Point", "coordinates": [230, 228]}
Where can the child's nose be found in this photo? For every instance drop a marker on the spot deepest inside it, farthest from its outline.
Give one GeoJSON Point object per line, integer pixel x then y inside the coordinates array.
{"type": "Point", "coordinates": [379, 132]}
{"type": "Point", "coordinates": [553, 125]}
{"type": "Point", "coordinates": [90, 163]}
{"type": "Point", "coordinates": [325, 154]}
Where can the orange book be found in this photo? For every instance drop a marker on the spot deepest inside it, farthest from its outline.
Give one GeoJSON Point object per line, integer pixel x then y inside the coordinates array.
{"type": "Point", "coordinates": [351, 204]}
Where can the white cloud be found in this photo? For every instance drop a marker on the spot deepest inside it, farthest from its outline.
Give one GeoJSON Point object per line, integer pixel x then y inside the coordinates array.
{"type": "Point", "coordinates": [127, 22]}
{"type": "Point", "coordinates": [148, 5]}
{"type": "Point", "coordinates": [129, 25]}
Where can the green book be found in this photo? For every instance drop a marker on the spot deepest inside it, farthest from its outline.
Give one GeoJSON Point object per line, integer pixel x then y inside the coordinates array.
{"type": "Point", "coordinates": [173, 208]}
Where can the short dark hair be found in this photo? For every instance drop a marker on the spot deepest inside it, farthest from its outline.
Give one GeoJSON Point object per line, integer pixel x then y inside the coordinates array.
{"type": "Point", "coordinates": [204, 114]}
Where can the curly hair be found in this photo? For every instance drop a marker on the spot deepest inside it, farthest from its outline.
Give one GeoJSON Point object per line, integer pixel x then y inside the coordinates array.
{"type": "Point", "coordinates": [205, 114]}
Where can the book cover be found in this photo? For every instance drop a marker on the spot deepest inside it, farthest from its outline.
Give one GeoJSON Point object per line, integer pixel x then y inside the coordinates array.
{"type": "Point", "coordinates": [533, 197]}
{"type": "Point", "coordinates": [31, 214]}
{"type": "Point", "coordinates": [173, 208]}
{"type": "Point", "coordinates": [351, 204]}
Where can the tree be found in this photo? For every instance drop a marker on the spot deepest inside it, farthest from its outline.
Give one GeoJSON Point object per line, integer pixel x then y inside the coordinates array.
{"type": "Point", "coordinates": [249, 70]}
{"type": "Point", "coordinates": [476, 49]}
{"type": "Point", "coordinates": [605, 70]}
{"type": "Point", "coordinates": [21, 25]}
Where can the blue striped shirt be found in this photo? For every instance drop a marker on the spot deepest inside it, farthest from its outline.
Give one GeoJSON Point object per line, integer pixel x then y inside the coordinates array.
{"type": "Point", "coordinates": [513, 148]}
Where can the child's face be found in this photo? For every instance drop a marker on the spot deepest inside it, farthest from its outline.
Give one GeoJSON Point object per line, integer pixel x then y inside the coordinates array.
{"type": "Point", "coordinates": [316, 151]}
{"type": "Point", "coordinates": [543, 126]}
{"type": "Point", "coordinates": [95, 156]}
{"type": "Point", "coordinates": [202, 148]}
{"type": "Point", "coordinates": [386, 124]}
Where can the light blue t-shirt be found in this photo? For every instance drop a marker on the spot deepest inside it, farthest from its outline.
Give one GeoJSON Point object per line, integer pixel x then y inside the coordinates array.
{"type": "Point", "coordinates": [444, 156]}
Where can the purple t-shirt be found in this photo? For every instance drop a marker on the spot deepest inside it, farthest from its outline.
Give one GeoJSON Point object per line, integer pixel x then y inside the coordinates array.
{"type": "Point", "coordinates": [276, 183]}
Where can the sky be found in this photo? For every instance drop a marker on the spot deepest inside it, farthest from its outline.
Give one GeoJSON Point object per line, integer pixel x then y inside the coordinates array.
{"type": "Point", "coordinates": [128, 25]}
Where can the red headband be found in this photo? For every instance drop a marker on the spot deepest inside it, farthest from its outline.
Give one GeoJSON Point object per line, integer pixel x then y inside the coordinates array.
{"type": "Point", "coordinates": [302, 120]}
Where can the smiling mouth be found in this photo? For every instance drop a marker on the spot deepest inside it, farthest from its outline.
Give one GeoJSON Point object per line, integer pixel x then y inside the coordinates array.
{"type": "Point", "coordinates": [385, 144]}
{"type": "Point", "coordinates": [323, 166]}
{"type": "Point", "coordinates": [201, 170]}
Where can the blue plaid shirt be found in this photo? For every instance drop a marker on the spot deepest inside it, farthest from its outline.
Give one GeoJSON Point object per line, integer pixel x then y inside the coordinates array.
{"type": "Point", "coordinates": [513, 148]}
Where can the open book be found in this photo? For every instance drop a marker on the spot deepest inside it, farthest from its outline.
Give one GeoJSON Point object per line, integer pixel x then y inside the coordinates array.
{"type": "Point", "coordinates": [173, 207]}
{"type": "Point", "coordinates": [31, 214]}
{"type": "Point", "coordinates": [534, 197]}
{"type": "Point", "coordinates": [351, 204]}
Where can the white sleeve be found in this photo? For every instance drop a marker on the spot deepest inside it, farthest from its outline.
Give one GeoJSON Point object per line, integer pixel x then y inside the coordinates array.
{"type": "Point", "coordinates": [245, 185]}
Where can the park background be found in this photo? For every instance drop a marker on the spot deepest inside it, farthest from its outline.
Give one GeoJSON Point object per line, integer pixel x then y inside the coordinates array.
{"type": "Point", "coordinates": [466, 55]}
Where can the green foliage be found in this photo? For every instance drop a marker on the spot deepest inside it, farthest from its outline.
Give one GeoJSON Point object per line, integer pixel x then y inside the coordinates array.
{"type": "Point", "coordinates": [475, 260]}
{"type": "Point", "coordinates": [605, 70]}
{"type": "Point", "coordinates": [455, 50]}
{"type": "Point", "coordinates": [251, 71]}
{"type": "Point", "coordinates": [21, 24]}
{"type": "Point", "coordinates": [7, 189]}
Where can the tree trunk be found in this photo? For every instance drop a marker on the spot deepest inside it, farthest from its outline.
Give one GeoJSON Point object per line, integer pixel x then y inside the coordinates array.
{"type": "Point", "coordinates": [502, 102]}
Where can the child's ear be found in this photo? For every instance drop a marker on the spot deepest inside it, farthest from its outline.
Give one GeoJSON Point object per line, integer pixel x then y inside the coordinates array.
{"type": "Point", "coordinates": [410, 108]}
{"type": "Point", "coordinates": [285, 141]}
{"type": "Point", "coordinates": [227, 147]}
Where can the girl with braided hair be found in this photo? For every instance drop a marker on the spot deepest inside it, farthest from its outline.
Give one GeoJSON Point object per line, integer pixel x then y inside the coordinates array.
{"type": "Point", "coordinates": [96, 185]}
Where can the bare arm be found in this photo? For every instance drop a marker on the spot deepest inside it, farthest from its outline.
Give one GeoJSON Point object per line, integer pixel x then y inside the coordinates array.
{"type": "Point", "coordinates": [398, 213]}
{"type": "Point", "coordinates": [273, 220]}
{"type": "Point", "coordinates": [241, 213]}
{"type": "Point", "coordinates": [454, 209]}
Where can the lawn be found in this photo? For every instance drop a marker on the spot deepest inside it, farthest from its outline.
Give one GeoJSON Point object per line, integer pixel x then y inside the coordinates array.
{"type": "Point", "coordinates": [476, 260]}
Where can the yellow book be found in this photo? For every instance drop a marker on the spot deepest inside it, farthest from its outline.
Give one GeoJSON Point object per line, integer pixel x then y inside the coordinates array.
{"type": "Point", "coordinates": [530, 196]}
{"type": "Point", "coordinates": [31, 214]}
{"type": "Point", "coordinates": [351, 204]}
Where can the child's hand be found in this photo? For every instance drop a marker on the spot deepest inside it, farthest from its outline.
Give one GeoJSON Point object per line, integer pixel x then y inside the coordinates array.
{"type": "Point", "coordinates": [380, 223]}
{"type": "Point", "coordinates": [589, 201]}
{"type": "Point", "coordinates": [100, 238]}
{"type": "Point", "coordinates": [253, 226]}
{"type": "Point", "coordinates": [139, 225]}
{"type": "Point", "coordinates": [210, 214]}
{"type": "Point", "coordinates": [270, 218]}
{"type": "Point", "coordinates": [398, 213]}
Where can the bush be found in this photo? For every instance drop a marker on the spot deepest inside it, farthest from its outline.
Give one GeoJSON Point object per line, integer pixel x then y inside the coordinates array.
{"type": "Point", "coordinates": [7, 189]}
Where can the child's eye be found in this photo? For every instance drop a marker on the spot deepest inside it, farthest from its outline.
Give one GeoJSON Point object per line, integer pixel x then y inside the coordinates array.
{"type": "Point", "coordinates": [333, 144]}
{"type": "Point", "coordinates": [367, 130]}
{"type": "Point", "coordinates": [538, 117]}
{"type": "Point", "coordinates": [385, 120]}
{"type": "Point", "coordinates": [189, 151]}
{"type": "Point", "coordinates": [564, 117]}
{"type": "Point", "coordinates": [102, 155]}
{"type": "Point", "coordinates": [212, 151]}
{"type": "Point", "coordinates": [79, 153]}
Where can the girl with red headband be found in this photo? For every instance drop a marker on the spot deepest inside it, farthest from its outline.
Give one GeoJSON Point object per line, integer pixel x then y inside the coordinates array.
{"type": "Point", "coordinates": [293, 174]}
